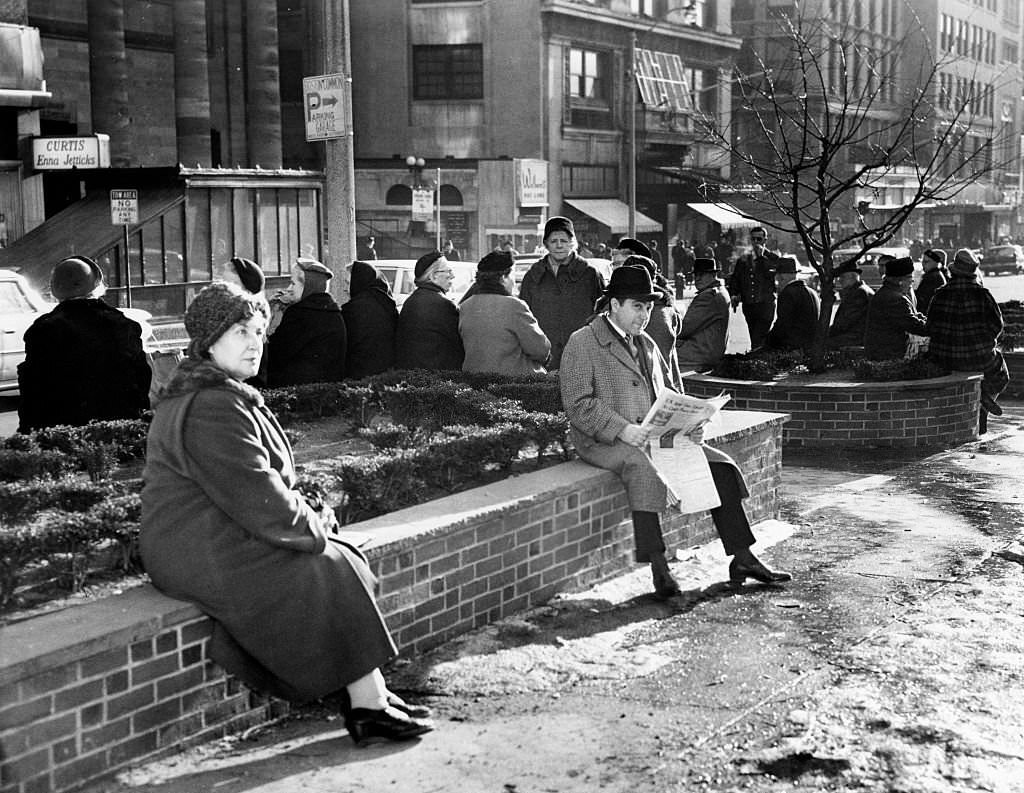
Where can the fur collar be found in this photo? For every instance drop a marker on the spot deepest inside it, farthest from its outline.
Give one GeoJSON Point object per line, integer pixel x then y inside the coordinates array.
{"type": "Point", "coordinates": [193, 375]}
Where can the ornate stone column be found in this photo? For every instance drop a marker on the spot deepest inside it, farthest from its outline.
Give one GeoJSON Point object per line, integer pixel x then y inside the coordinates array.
{"type": "Point", "coordinates": [191, 83]}
{"type": "Point", "coordinates": [263, 91]}
{"type": "Point", "coordinates": [108, 76]}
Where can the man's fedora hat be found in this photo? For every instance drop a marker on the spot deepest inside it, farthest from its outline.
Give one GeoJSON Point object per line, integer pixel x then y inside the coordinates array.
{"type": "Point", "coordinates": [628, 283]}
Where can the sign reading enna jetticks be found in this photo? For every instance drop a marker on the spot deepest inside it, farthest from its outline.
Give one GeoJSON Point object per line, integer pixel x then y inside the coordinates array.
{"type": "Point", "coordinates": [63, 154]}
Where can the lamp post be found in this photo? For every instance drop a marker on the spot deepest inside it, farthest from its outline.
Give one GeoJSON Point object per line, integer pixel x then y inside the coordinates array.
{"type": "Point", "coordinates": [416, 166]}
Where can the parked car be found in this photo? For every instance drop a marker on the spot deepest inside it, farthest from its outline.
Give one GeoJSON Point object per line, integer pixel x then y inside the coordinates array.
{"type": "Point", "coordinates": [400, 274]}
{"type": "Point", "coordinates": [1003, 259]}
{"type": "Point", "coordinates": [20, 306]}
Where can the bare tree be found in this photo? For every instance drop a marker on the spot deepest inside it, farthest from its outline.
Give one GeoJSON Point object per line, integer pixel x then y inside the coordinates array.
{"type": "Point", "coordinates": [826, 112]}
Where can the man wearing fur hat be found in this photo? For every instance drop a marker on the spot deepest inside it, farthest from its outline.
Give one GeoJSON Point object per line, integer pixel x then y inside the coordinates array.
{"type": "Point", "coordinates": [933, 262]}
{"type": "Point", "coordinates": [309, 345]}
{"type": "Point", "coordinates": [704, 335]}
{"type": "Point", "coordinates": [83, 360]}
{"type": "Point", "coordinates": [428, 323]}
{"type": "Point", "coordinates": [891, 314]}
{"type": "Point", "coordinates": [847, 329]}
{"type": "Point", "coordinates": [562, 287]}
{"type": "Point", "coordinates": [964, 323]}
{"type": "Point", "coordinates": [611, 374]}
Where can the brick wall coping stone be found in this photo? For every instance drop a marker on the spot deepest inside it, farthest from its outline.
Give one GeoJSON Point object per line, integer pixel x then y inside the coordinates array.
{"type": "Point", "coordinates": [926, 384]}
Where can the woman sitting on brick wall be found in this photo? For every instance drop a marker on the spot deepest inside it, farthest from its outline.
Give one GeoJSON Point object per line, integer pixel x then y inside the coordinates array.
{"type": "Point", "coordinates": [224, 527]}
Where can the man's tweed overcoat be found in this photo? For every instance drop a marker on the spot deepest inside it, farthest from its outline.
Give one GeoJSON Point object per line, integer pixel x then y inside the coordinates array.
{"type": "Point", "coordinates": [603, 390]}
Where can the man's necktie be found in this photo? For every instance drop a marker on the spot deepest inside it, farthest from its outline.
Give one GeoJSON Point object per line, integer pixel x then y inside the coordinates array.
{"type": "Point", "coordinates": [631, 346]}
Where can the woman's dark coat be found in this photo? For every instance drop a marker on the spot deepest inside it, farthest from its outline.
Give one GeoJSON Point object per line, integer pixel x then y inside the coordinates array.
{"type": "Point", "coordinates": [83, 361]}
{"type": "Point", "coordinates": [371, 318]}
{"type": "Point", "coordinates": [891, 318]}
{"type": "Point", "coordinates": [428, 332]}
{"type": "Point", "coordinates": [224, 527]}
{"type": "Point", "coordinates": [309, 345]}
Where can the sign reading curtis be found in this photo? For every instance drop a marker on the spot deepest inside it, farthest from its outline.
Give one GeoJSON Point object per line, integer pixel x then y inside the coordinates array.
{"type": "Point", "coordinates": [62, 154]}
{"type": "Point", "coordinates": [532, 183]}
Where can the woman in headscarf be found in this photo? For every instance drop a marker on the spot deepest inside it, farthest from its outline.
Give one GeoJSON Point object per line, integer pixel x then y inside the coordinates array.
{"type": "Point", "coordinates": [309, 345]}
{"type": "Point", "coordinates": [371, 318]}
{"type": "Point", "coordinates": [223, 526]}
{"type": "Point", "coordinates": [499, 332]}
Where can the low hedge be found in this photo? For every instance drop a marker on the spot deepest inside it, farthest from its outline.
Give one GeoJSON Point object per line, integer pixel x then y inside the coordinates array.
{"type": "Point", "coordinates": [770, 365]}
{"type": "Point", "coordinates": [446, 431]}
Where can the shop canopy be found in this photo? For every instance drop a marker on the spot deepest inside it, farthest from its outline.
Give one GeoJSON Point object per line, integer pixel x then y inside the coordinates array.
{"type": "Point", "coordinates": [725, 215]}
{"type": "Point", "coordinates": [614, 214]}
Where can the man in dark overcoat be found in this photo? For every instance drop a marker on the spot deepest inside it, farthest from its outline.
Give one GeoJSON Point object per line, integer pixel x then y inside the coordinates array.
{"type": "Point", "coordinates": [752, 285]}
{"type": "Point", "coordinates": [611, 374]}
{"type": "Point", "coordinates": [84, 360]}
{"type": "Point", "coordinates": [797, 310]}
{"type": "Point", "coordinates": [964, 324]}
{"type": "Point", "coordinates": [310, 343]}
{"type": "Point", "coordinates": [560, 288]}
{"type": "Point", "coordinates": [427, 336]}
{"type": "Point", "coordinates": [704, 336]}
{"type": "Point", "coordinates": [891, 315]}
{"type": "Point", "coordinates": [847, 329]}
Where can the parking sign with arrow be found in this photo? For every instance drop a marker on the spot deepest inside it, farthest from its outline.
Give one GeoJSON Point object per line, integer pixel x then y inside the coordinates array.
{"type": "Point", "coordinates": [324, 103]}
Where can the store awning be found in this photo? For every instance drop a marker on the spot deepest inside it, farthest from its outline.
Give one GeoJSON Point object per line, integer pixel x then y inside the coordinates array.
{"type": "Point", "coordinates": [614, 214]}
{"type": "Point", "coordinates": [725, 215]}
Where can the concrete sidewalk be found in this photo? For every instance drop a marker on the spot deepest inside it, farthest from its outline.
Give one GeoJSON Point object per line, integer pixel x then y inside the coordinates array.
{"type": "Point", "coordinates": [892, 663]}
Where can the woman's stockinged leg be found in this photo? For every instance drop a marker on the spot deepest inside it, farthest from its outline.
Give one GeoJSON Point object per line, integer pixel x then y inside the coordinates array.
{"type": "Point", "coordinates": [369, 692]}
{"type": "Point", "coordinates": [375, 713]}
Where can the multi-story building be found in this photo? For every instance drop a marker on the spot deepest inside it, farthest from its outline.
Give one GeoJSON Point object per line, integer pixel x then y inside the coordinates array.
{"type": "Point", "coordinates": [521, 109]}
{"type": "Point", "coordinates": [182, 101]}
{"type": "Point", "coordinates": [866, 58]}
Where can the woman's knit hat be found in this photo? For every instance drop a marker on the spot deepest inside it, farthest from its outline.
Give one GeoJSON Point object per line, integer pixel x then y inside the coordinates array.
{"type": "Point", "coordinates": [215, 309]}
{"type": "Point", "coordinates": [964, 263]}
{"type": "Point", "coordinates": [76, 276]}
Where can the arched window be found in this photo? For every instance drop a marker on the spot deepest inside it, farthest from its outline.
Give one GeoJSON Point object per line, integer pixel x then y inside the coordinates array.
{"type": "Point", "coordinates": [399, 195]}
{"type": "Point", "coordinates": [450, 196]}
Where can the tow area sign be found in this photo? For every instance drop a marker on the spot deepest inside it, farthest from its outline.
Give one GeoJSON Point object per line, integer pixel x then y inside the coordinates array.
{"type": "Point", "coordinates": [124, 207]}
{"type": "Point", "coordinates": [324, 103]}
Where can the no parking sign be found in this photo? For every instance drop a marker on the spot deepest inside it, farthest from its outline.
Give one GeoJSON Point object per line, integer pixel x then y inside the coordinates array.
{"type": "Point", "coordinates": [124, 207]}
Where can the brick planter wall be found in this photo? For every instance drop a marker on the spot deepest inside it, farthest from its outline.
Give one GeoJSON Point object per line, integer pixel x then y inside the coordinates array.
{"type": "Point", "coordinates": [940, 412]}
{"type": "Point", "coordinates": [91, 689]}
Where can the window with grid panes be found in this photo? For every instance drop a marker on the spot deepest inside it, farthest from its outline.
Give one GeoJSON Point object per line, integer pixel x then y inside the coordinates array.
{"type": "Point", "coordinates": [447, 71]}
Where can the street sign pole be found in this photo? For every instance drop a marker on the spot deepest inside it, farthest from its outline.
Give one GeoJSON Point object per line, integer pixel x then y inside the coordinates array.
{"type": "Point", "coordinates": [124, 212]}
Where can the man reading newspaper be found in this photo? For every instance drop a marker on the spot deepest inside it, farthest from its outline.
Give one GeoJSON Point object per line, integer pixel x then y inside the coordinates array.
{"type": "Point", "coordinates": [611, 375]}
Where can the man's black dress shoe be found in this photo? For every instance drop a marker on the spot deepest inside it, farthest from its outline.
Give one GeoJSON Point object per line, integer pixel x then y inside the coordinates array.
{"type": "Point", "coordinates": [390, 724]}
{"type": "Point", "coordinates": [738, 573]}
{"type": "Point", "coordinates": [414, 711]}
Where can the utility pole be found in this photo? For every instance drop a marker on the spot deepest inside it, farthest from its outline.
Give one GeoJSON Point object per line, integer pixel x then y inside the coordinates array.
{"type": "Point", "coordinates": [631, 165]}
{"type": "Point", "coordinates": [339, 184]}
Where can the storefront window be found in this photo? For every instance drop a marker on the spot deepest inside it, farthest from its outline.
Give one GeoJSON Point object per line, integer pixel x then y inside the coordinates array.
{"type": "Point", "coordinates": [244, 223]}
{"type": "Point", "coordinates": [200, 255]}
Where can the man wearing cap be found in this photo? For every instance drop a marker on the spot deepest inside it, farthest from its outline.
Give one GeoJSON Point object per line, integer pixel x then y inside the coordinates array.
{"type": "Point", "coordinates": [498, 331]}
{"type": "Point", "coordinates": [84, 359]}
{"type": "Point", "coordinates": [310, 343]}
{"type": "Point", "coordinates": [891, 315]}
{"type": "Point", "coordinates": [562, 287]}
{"type": "Point", "coordinates": [626, 247]}
{"type": "Point", "coordinates": [964, 323]}
{"type": "Point", "coordinates": [611, 374]}
{"type": "Point", "coordinates": [427, 336]}
{"type": "Point", "coordinates": [752, 284]}
{"type": "Point", "coordinates": [933, 262]}
{"type": "Point", "coordinates": [704, 335]}
{"type": "Point", "coordinates": [797, 311]}
{"type": "Point", "coordinates": [847, 329]}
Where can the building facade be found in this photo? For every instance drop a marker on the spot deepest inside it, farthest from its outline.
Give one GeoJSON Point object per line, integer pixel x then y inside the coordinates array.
{"type": "Point", "coordinates": [522, 109]}
{"type": "Point", "coordinates": [185, 103]}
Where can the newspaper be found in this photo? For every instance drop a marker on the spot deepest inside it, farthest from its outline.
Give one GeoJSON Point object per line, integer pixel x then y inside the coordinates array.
{"type": "Point", "coordinates": [680, 462]}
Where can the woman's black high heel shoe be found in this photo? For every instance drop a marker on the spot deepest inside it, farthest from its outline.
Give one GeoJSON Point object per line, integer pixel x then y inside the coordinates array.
{"type": "Point", "coordinates": [389, 724]}
{"type": "Point", "coordinates": [414, 711]}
